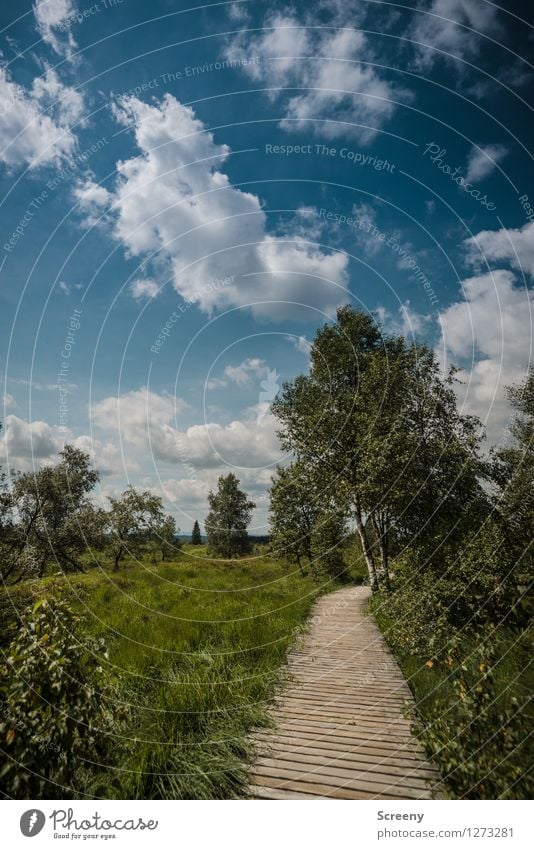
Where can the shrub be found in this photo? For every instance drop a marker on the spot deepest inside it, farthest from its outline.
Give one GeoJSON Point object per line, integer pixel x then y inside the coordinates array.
{"type": "Point", "coordinates": [479, 738]}
{"type": "Point", "coordinates": [55, 712]}
{"type": "Point", "coordinates": [475, 586]}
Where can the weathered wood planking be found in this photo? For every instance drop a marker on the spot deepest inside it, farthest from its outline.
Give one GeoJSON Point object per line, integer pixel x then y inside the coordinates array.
{"type": "Point", "coordinates": [341, 730]}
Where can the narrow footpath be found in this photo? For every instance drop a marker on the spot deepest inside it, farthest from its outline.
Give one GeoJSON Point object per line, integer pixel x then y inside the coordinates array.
{"type": "Point", "coordinates": [341, 730]}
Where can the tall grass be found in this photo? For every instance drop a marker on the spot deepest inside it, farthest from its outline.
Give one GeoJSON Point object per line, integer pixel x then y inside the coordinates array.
{"type": "Point", "coordinates": [196, 649]}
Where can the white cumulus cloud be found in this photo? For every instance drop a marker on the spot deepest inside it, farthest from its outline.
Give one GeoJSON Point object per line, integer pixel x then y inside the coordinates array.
{"type": "Point", "coordinates": [489, 335]}
{"type": "Point", "coordinates": [35, 123]}
{"type": "Point", "coordinates": [93, 201]}
{"type": "Point", "coordinates": [28, 445]}
{"type": "Point", "coordinates": [174, 204]}
{"type": "Point", "coordinates": [344, 94]}
{"type": "Point", "coordinates": [148, 422]}
{"type": "Point", "coordinates": [243, 373]}
{"type": "Point", "coordinates": [514, 246]}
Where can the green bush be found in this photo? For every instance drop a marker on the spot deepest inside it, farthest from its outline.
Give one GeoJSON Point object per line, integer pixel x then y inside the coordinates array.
{"type": "Point", "coordinates": [466, 657]}
{"type": "Point", "coordinates": [354, 559]}
{"type": "Point", "coordinates": [480, 737]}
{"type": "Point", "coordinates": [475, 586]}
{"type": "Point", "coordinates": [56, 705]}
{"type": "Point", "coordinates": [327, 539]}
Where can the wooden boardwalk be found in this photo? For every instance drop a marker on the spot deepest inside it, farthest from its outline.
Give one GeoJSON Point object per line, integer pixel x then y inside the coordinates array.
{"type": "Point", "coordinates": [340, 729]}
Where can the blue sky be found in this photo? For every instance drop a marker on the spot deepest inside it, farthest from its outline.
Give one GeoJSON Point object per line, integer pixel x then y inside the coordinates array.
{"type": "Point", "coordinates": [187, 194]}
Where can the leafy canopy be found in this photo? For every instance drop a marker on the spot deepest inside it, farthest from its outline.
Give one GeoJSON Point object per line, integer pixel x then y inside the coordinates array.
{"type": "Point", "coordinates": [228, 519]}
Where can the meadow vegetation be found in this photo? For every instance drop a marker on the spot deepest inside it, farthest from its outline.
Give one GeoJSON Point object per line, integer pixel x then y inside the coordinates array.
{"type": "Point", "coordinates": [188, 655]}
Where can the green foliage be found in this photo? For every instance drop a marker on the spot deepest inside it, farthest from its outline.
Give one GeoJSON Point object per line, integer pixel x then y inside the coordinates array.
{"type": "Point", "coordinates": [474, 586]}
{"type": "Point", "coordinates": [9, 569]}
{"type": "Point", "coordinates": [458, 612]}
{"type": "Point", "coordinates": [196, 537]}
{"type": "Point", "coordinates": [480, 737]}
{"type": "Point", "coordinates": [228, 519]}
{"type": "Point", "coordinates": [137, 524]}
{"type": "Point", "coordinates": [47, 518]}
{"type": "Point", "coordinates": [56, 521]}
{"type": "Point", "coordinates": [452, 626]}
{"type": "Point", "coordinates": [292, 512]}
{"type": "Point", "coordinates": [376, 426]}
{"type": "Point", "coordinates": [513, 474]}
{"type": "Point", "coordinates": [327, 541]}
{"type": "Point", "coordinates": [323, 416]}
{"type": "Point", "coordinates": [55, 710]}
{"type": "Point", "coordinates": [472, 705]}
{"type": "Point", "coordinates": [165, 538]}
{"type": "Point", "coordinates": [354, 558]}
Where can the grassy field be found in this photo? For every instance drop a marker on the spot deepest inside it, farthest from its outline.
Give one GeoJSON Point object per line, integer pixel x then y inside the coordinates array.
{"type": "Point", "coordinates": [195, 651]}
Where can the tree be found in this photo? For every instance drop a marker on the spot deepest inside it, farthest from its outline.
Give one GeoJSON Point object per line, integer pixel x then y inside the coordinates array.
{"type": "Point", "coordinates": [196, 537]}
{"type": "Point", "coordinates": [292, 512]}
{"type": "Point", "coordinates": [167, 541]}
{"type": "Point", "coordinates": [135, 522]}
{"type": "Point", "coordinates": [323, 416]}
{"type": "Point", "coordinates": [513, 464]}
{"type": "Point", "coordinates": [161, 541]}
{"type": "Point", "coordinates": [228, 519]}
{"type": "Point", "coordinates": [12, 566]}
{"type": "Point", "coordinates": [377, 428]}
{"type": "Point", "coordinates": [57, 521]}
{"type": "Point", "coordinates": [420, 467]}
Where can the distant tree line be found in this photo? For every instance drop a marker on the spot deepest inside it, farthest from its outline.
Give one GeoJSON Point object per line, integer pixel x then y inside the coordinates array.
{"type": "Point", "coordinates": [48, 519]}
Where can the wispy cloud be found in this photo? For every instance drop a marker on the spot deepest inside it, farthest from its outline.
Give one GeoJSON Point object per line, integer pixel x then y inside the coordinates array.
{"type": "Point", "coordinates": [344, 94]}
{"type": "Point", "coordinates": [54, 19]}
{"type": "Point", "coordinates": [483, 160]}
{"type": "Point", "coordinates": [144, 289]}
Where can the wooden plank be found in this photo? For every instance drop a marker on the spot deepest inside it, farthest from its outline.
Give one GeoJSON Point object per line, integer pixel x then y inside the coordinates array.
{"type": "Point", "coordinates": [359, 706]}
{"type": "Point", "coordinates": [369, 725]}
{"type": "Point", "coordinates": [373, 752]}
{"type": "Point", "coordinates": [325, 766]}
{"type": "Point", "coordinates": [256, 791]}
{"type": "Point", "coordinates": [281, 748]}
{"type": "Point", "coordinates": [326, 791]}
{"type": "Point", "coordinates": [364, 784]}
{"type": "Point", "coordinates": [342, 732]}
